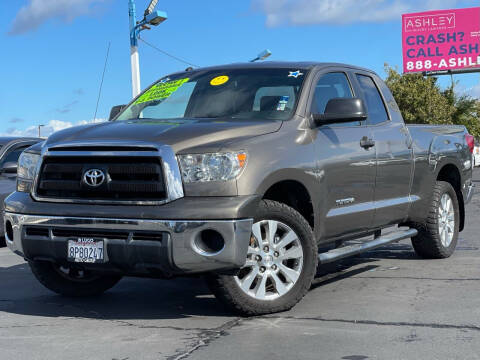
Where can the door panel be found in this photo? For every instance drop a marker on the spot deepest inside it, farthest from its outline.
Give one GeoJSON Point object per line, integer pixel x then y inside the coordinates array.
{"type": "Point", "coordinates": [394, 171]}
{"type": "Point", "coordinates": [393, 153]}
{"type": "Point", "coordinates": [346, 170]}
{"type": "Point", "coordinates": [349, 178]}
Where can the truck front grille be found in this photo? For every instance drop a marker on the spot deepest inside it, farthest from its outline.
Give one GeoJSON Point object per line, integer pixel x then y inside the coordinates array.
{"type": "Point", "coordinates": [126, 178]}
{"type": "Point", "coordinates": [71, 233]}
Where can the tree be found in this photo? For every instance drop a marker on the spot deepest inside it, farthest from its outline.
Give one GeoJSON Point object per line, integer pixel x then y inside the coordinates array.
{"type": "Point", "coordinates": [420, 99]}
{"type": "Point", "coordinates": [467, 111]}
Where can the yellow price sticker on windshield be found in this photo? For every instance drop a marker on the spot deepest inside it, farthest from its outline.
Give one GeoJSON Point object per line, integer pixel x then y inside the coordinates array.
{"type": "Point", "coordinates": [219, 80]}
{"type": "Point", "coordinates": [160, 91]}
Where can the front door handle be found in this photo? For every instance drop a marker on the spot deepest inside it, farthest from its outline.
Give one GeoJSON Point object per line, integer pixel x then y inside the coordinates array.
{"type": "Point", "coordinates": [367, 143]}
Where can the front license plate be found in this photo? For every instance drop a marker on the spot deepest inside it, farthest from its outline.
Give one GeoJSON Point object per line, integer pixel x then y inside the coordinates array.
{"type": "Point", "coordinates": [86, 250]}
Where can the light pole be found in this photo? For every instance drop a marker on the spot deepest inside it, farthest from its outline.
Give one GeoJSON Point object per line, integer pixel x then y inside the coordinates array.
{"type": "Point", "coordinates": [39, 127]}
{"type": "Point", "coordinates": [150, 18]}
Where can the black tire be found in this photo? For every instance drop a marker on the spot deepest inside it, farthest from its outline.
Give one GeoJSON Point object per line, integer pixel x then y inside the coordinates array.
{"type": "Point", "coordinates": [428, 243]}
{"type": "Point", "coordinates": [228, 291]}
{"type": "Point", "coordinates": [68, 282]}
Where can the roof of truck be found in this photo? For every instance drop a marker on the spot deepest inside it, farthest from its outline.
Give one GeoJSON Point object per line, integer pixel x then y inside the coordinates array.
{"type": "Point", "coordinates": [307, 65]}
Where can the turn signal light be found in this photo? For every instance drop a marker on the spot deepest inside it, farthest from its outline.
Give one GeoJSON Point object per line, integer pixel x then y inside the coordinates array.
{"type": "Point", "coordinates": [242, 158]}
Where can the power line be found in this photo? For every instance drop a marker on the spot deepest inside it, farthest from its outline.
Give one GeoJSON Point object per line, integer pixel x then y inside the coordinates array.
{"type": "Point", "coordinates": [101, 83]}
{"type": "Point", "coordinates": [166, 53]}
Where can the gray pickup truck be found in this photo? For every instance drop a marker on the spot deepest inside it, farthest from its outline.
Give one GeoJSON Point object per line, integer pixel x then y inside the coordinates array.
{"type": "Point", "coordinates": [252, 174]}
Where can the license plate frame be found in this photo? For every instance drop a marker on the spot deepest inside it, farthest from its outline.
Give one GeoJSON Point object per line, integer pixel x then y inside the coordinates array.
{"type": "Point", "coordinates": [86, 250]}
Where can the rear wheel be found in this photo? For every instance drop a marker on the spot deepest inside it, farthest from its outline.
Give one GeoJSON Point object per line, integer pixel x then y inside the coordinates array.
{"type": "Point", "coordinates": [437, 238]}
{"type": "Point", "coordinates": [71, 281]}
{"type": "Point", "coordinates": [280, 266]}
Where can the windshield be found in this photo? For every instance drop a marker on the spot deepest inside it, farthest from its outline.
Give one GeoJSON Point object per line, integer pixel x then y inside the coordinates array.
{"type": "Point", "coordinates": [228, 93]}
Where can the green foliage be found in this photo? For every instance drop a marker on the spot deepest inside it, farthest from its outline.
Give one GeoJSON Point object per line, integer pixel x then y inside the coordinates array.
{"type": "Point", "coordinates": [422, 101]}
{"type": "Point", "coordinates": [467, 111]}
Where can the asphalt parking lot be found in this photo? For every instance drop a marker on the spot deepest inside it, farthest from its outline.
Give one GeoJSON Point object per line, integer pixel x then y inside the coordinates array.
{"type": "Point", "coordinates": [386, 304]}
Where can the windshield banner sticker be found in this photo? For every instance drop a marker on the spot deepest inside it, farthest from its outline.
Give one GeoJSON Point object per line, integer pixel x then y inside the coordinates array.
{"type": "Point", "coordinates": [161, 90]}
{"type": "Point", "coordinates": [219, 80]}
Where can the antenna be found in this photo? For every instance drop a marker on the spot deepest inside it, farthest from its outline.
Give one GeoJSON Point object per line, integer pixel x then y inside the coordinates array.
{"type": "Point", "coordinates": [150, 7]}
{"type": "Point", "coordinates": [101, 83]}
{"type": "Point", "coordinates": [262, 56]}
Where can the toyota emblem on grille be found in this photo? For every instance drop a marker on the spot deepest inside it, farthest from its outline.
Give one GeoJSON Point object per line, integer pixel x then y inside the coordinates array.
{"type": "Point", "coordinates": [94, 177]}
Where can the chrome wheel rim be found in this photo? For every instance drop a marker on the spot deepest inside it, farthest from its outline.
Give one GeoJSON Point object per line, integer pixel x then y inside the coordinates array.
{"type": "Point", "coordinates": [446, 220]}
{"type": "Point", "coordinates": [274, 261]}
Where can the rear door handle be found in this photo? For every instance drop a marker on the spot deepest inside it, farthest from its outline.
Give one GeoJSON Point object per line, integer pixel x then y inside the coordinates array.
{"type": "Point", "coordinates": [367, 143]}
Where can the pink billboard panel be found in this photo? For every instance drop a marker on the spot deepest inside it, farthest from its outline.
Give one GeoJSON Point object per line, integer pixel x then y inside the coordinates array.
{"type": "Point", "coordinates": [441, 40]}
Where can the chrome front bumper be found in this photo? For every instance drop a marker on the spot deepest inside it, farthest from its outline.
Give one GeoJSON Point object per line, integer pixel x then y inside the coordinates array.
{"type": "Point", "coordinates": [184, 254]}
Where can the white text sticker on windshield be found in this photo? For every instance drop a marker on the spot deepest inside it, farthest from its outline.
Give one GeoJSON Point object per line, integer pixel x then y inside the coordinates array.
{"type": "Point", "coordinates": [161, 90]}
{"type": "Point", "coordinates": [282, 103]}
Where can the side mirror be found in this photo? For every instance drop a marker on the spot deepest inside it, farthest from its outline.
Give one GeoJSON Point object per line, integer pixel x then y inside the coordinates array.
{"type": "Point", "coordinates": [115, 111]}
{"type": "Point", "coordinates": [340, 110]}
{"type": "Point", "coordinates": [10, 167]}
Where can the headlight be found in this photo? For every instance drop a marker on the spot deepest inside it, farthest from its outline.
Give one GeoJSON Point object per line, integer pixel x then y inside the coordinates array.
{"type": "Point", "coordinates": [26, 171]}
{"type": "Point", "coordinates": [212, 167]}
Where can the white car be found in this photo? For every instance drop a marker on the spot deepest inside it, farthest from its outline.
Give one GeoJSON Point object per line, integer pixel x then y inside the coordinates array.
{"type": "Point", "coordinates": [476, 156]}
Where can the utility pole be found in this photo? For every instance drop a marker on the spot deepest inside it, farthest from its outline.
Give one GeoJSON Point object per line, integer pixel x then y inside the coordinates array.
{"type": "Point", "coordinates": [134, 49]}
{"type": "Point", "coordinates": [150, 18]}
{"type": "Point", "coordinates": [39, 127]}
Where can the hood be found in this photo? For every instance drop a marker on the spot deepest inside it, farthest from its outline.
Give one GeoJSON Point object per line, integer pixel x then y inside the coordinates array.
{"type": "Point", "coordinates": [180, 134]}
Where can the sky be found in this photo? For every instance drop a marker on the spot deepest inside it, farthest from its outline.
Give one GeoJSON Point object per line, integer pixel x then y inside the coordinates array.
{"type": "Point", "coordinates": [54, 50]}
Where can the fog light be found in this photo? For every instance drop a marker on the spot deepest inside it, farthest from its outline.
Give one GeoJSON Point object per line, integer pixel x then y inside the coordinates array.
{"type": "Point", "coordinates": [209, 242]}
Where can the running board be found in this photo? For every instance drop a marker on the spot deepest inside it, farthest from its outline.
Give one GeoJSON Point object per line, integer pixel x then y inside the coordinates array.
{"type": "Point", "coordinates": [346, 251]}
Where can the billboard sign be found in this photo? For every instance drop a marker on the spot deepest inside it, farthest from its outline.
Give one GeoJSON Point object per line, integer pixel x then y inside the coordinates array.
{"type": "Point", "coordinates": [441, 40]}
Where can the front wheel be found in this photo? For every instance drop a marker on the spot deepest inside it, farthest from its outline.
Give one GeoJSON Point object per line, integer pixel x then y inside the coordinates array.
{"type": "Point", "coordinates": [280, 265]}
{"type": "Point", "coordinates": [71, 281]}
